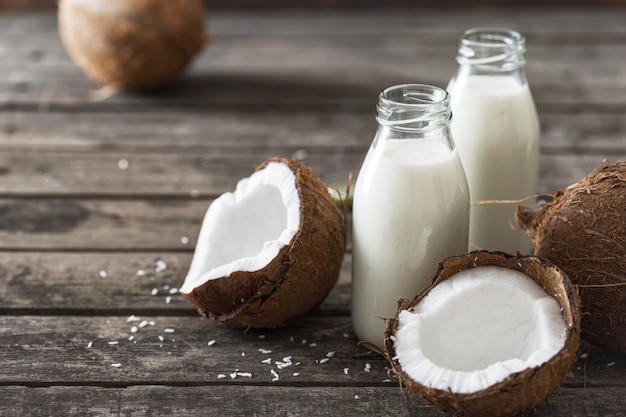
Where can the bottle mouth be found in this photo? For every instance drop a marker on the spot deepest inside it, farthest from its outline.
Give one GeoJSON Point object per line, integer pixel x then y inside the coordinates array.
{"type": "Point", "coordinates": [414, 106]}
{"type": "Point", "coordinates": [494, 48]}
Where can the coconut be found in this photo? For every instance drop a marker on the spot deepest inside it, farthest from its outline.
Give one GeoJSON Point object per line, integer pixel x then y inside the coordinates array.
{"type": "Point", "coordinates": [270, 251]}
{"type": "Point", "coordinates": [132, 44]}
{"type": "Point", "coordinates": [583, 231]}
{"type": "Point", "coordinates": [493, 334]}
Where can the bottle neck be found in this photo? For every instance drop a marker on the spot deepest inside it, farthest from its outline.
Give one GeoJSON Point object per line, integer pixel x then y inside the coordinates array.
{"type": "Point", "coordinates": [414, 111]}
{"type": "Point", "coordinates": [491, 51]}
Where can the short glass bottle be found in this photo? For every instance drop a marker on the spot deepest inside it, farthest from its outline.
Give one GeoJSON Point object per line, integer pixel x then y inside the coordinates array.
{"type": "Point", "coordinates": [496, 131]}
{"type": "Point", "coordinates": [410, 207]}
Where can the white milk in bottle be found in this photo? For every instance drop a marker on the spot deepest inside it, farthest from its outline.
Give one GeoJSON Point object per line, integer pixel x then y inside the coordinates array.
{"type": "Point", "coordinates": [410, 206]}
{"type": "Point", "coordinates": [496, 131]}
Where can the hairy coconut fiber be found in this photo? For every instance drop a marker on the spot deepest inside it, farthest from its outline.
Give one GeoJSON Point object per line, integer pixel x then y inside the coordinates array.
{"type": "Point", "coordinates": [519, 391]}
{"type": "Point", "coordinates": [583, 231]}
{"type": "Point", "coordinates": [297, 280]}
{"type": "Point", "coordinates": [132, 44]}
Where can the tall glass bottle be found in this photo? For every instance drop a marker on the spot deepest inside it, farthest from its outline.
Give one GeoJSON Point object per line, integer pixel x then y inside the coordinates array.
{"type": "Point", "coordinates": [410, 207]}
{"type": "Point", "coordinates": [496, 131]}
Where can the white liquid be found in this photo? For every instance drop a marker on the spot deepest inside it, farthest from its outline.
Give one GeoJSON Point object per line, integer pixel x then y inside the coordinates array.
{"type": "Point", "coordinates": [410, 211]}
{"type": "Point", "coordinates": [496, 132]}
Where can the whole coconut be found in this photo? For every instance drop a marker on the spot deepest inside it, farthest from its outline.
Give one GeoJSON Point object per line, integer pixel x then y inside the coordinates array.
{"type": "Point", "coordinates": [132, 44]}
{"type": "Point", "coordinates": [583, 231]}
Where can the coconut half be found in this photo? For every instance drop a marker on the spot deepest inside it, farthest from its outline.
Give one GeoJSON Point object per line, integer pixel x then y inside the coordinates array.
{"type": "Point", "coordinates": [268, 252]}
{"type": "Point", "coordinates": [493, 334]}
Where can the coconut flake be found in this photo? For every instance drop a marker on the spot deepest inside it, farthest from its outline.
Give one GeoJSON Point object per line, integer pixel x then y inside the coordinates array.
{"type": "Point", "coordinates": [160, 266]}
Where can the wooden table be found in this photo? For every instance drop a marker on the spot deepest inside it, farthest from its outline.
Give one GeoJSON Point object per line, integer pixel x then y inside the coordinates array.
{"type": "Point", "coordinates": [101, 202]}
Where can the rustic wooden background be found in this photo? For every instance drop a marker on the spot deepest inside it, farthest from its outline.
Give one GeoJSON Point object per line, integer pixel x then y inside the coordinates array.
{"type": "Point", "coordinates": [271, 83]}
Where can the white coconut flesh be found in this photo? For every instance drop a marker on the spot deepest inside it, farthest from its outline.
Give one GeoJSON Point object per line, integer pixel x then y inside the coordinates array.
{"type": "Point", "coordinates": [478, 327]}
{"type": "Point", "coordinates": [244, 230]}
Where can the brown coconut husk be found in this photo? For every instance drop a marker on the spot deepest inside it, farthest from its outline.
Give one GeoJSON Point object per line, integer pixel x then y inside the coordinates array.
{"type": "Point", "coordinates": [144, 44]}
{"type": "Point", "coordinates": [583, 231]}
{"type": "Point", "coordinates": [520, 391]}
{"type": "Point", "coordinates": [297, 280]}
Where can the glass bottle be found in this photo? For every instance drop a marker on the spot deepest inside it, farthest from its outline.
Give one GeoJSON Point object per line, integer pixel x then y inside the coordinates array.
{"type": "Point", "coordinates": [410, 207]}
{"type": "Point", "coordinates": [496, 131]}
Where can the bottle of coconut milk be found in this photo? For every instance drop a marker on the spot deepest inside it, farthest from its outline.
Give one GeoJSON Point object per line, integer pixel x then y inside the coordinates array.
{"type": "Point", "coordinates": [496, 131]}
{"type": "Point", "coordinates": [410, 205]}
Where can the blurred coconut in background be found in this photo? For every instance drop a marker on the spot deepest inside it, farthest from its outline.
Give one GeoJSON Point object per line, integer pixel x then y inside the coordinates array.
{"type": "Point", "coordinates": [132, 44]}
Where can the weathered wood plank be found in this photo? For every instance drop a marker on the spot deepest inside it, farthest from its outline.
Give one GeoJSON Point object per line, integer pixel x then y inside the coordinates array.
{"type": "Point", "coordinates": [217, 133]}
{"type": "Point", "coordinates": [60, 350]}
{"type": "Point", "coordinates": [113, 283]}
{"type": "Point", "coordinates": [65, 224]}
{"type": "Point", "coordinates": [565, 22]}
{"type": "Point", "coordinates": [70, 350]}
{"type": "Point", "coordinates": [196, 132]}
{"type": "Point", "coordinates": [275, 401]}
{"type": "Point", "coordinates": [179, 176]}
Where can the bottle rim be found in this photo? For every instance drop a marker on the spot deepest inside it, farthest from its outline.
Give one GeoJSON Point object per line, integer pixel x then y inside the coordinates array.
{"type": "Point", "coordinates": [414, 106]}
{"type": "Point", "coordinates": [494, 47]}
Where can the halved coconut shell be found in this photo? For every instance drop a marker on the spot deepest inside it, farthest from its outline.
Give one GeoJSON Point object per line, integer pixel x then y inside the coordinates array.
{"type": "Point", "coordinates": [519, 390]}
{"type": "Point", "coordinates": [295, 268]}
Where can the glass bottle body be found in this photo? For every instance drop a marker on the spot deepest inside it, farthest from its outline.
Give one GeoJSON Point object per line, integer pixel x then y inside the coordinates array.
{"type": "Point", "coordinates": [410, 206]}
{"type": "Point", "coordinates": [496, 131]}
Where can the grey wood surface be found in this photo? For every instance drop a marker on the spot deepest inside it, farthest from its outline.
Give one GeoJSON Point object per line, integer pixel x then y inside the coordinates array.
{"type": "Point", "coordinates": [87, 248]}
